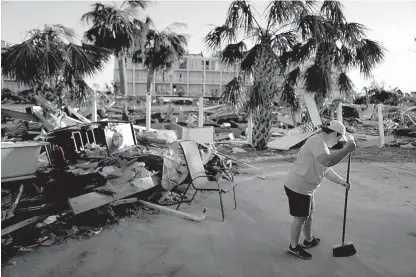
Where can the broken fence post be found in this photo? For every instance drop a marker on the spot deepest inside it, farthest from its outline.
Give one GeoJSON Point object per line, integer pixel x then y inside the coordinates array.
{"type": "Point", "coordinates": [339, 112]}
{"type": "Point", "coordinates": [201, 112]}
{"type": "Point", "coordinates": [148, 112]}
{"type": "Point", "coordinates": [94, 105]}
{"type": "Point", "coordinates": [250, 129]}
{"type": "Point", "coordinates": [381, 124]}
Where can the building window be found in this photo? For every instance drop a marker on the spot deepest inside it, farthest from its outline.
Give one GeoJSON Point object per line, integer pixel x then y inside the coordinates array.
{"type": "Point", "coordinates": [182, 64]}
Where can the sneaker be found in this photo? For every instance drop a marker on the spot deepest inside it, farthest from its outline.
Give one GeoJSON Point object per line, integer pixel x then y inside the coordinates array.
{"type": "Point", "coordinates": [298, 251]}
{"type": "Point", "coordinates": [309, 244]}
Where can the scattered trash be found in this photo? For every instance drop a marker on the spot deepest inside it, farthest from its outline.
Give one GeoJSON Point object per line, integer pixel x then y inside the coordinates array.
{"type": "Point", "coordinates": [25, 249]}
{"type": "Point", "coordinates": [74, 230]}
{"type": "Point", "coordinates": [409, 145]}
{"type": "Point", "coordinates": [50, 240]}
{"type": "Point", "coordinates": [94, 232]}
{"type": "Point", "coordinates": [238, 150]}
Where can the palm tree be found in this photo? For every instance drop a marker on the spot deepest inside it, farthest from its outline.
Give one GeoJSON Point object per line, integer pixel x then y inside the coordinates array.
{"type": "Point", "coordinates": [50, 60]}
{"type": "Point", "coordinates": [300, 46]}
{"type": "Point", "coordinates": [118, 29]}
{"type": "Point", "coordinates": [162, 49]}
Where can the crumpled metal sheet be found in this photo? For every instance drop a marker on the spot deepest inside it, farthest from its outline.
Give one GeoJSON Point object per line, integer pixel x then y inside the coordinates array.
{"type": "Point", "coordinates": [175, 170]}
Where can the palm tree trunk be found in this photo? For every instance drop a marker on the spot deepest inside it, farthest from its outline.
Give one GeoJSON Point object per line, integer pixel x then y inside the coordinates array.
{"type": "Point", "coordinates": [123, 80]}
{"type": "Point", "coordinates": [265, 73]}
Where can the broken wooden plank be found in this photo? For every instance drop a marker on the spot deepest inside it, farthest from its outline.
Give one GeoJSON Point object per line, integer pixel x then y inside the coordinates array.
{"type": "Point", "coordinates": [94, 200]}
{"type": "Point", "coordinates": [19, 115]}
{"type": "Point", "coordinates": [125, 201]}
{"type": "Point", "coordinates": [37, 111]}
{"type": "Point", "coordinates": [20, 225]}
{"type": "Point", "coordinates": [286, 142]}
{"type": "Point", "coordinates": [78, 115]}
{"type": "Point", "coordinates": [176, 212]}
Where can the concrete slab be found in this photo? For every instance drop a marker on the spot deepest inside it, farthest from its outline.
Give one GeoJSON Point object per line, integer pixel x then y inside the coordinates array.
{"type": "Point", "coordinates": [254, 238]}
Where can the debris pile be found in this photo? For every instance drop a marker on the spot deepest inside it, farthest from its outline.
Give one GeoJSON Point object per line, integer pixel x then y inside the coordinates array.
{"type": "Point", "coordinates": [88, 174]}
{"type": "Point", "coordinates": [399, 123]}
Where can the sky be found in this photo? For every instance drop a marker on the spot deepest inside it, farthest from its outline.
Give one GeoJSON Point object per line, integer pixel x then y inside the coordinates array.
{"type": "Point", "coordinates": [392, 23]}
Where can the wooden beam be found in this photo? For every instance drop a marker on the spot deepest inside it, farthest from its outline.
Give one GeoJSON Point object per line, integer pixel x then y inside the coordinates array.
{"type": "Point", "coordinates": [78, 115]}
{"type": "Point", "coordinates": [19, 115]}
{"type": "Point", "coordinates": [94, 200]}
{"type": "Point", "coordinates": [19, 225]}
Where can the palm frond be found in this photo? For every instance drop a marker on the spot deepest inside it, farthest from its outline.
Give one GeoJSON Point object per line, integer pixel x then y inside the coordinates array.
{"type": "Point", "coordinates": [87, 59]}
{"type": "Point", "coordinates": [142, 4]}
{"type": "Point", "coordinates": [112, 28]}
{"type": "Point", "coordinates": [279, 12]}
{"type": "Point", "coordinates": [233, 93]}
{"type": "Point", "coordinates": [256, 98]}
{"type": "Point", "coordinates": [333, 11]}
{"type": "Point", "coordinates": [353, 32]}
{"type": "Point", "coordinates": [64, 33]}
{"type": "Point", "coordinates": [97, 13]}
{"type": "Point", "coordinates": [233, 53]}
{"type": "Point", "coordinates": [162, 49]}
{"type": "Point", "coordinates": [218, 36]}
{"type": "Point", "coordinates": [315, 26]}
{"type": "Point", "coordinates": [368, 54]}
{"type": "Point", "coordinates": [284, 41]}
{"type": "Point", "coordinates": [248, 61]}
{"type": "Point", "coordinates": [344, 83]}
{"type": "Point", "coordinates": [318, 79]}
{"type": "Point", "coordinates": [79, 90]}
{"type": "Point", "coordinates": [325, 51]}
{"type": "Point", "coordinates": [173, 27]}
{"type": "Point", "coordinates": [288, 92]}
{"type": "Point", "coordinates": [344, 58]}
{"type": "Point", "coordinates": [240, 15]}
{"type": "Point", "coordinates": [22, 61]}
{"type": "Point", "coordinates": [299, 54]}
{"type": "Point", "coordinates": [311, 4]}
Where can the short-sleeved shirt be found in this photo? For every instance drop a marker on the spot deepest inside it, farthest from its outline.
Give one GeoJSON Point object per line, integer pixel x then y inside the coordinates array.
{"type": "Point", "coordinates": [307, 173]}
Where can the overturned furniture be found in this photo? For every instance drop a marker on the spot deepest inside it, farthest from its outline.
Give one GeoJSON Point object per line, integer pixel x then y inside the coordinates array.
{"type": "Point", "coordinates": [68, 144]}
{"type": "Point", "coordinates": [199, 179]}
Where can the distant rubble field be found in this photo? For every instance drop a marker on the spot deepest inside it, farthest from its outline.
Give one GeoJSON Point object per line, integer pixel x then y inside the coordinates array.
{"type": "Point", "coordinates": [368, 154]}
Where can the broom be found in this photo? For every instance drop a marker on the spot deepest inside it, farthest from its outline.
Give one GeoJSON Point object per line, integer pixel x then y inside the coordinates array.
{"type": "Point", "coordinates": [345, 249]}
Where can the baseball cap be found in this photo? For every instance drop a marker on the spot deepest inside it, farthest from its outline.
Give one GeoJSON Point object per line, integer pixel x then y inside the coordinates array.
{"type": "Point", "coordinates": [337, 126]}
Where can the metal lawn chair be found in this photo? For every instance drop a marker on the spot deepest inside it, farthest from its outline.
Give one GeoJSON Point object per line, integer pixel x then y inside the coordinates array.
{"type": "Point", "coordinates": [199, 179]}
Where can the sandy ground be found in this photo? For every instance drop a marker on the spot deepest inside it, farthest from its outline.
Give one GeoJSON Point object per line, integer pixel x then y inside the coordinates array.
{"type": "Point", "coordinates": [254, 239]}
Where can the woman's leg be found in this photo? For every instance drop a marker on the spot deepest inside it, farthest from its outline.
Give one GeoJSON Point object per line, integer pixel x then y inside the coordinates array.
{"type": "Point", "coordinates": [296, 229]}
{"type": "Point", "coordinates": [307, 227]}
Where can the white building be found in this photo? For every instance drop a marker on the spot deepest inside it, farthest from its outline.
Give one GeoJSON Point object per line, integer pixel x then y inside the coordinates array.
{"type": "Point", "coordinates": [195, 76]}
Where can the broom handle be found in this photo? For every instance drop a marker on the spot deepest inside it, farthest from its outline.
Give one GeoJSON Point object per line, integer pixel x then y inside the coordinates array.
{"type": "Point", "coordinates": [346, 198]}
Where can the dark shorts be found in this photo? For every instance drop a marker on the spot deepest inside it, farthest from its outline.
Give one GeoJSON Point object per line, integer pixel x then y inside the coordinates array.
{"type": "Point", "coordinates": [300, 205]}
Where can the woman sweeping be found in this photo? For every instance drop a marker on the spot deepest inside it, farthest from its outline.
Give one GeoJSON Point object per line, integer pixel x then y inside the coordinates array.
{"type": "Point", "coordinates": [314, 161]}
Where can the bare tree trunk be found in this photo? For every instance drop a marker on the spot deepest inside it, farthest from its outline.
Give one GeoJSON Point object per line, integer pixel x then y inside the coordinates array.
{"type": "Point", "coordinates": [123, 80]}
